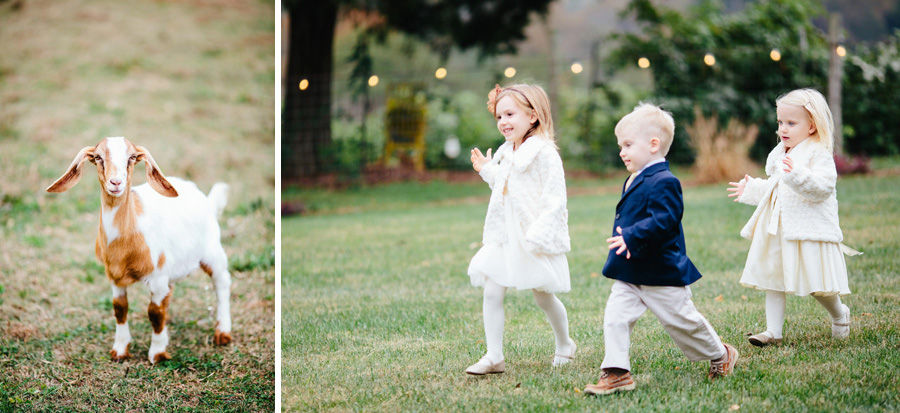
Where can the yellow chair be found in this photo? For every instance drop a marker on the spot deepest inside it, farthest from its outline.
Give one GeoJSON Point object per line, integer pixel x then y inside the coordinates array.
{"type": "Point", "coordinates": [405, 122]}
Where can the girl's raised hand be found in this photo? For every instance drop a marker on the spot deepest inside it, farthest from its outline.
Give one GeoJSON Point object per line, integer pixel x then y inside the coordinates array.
{"type": "Point", "coordinates": [738, 189]}
{"type": "Point", "coordinates": [788, 164]}
{"type": "Point", "coordinates": [478, 160]}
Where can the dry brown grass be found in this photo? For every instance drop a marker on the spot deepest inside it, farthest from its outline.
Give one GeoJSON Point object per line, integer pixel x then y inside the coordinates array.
{"type": "Point", "coordinates": [721, 154]}
{"type": "Point", "coordinates": [193, 81]}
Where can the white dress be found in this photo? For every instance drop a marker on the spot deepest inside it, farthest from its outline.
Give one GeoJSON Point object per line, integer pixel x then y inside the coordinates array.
{"type": "Point", "coordinates": [510, 264]}
{"type": "Point", "coordinates": [794, 267]}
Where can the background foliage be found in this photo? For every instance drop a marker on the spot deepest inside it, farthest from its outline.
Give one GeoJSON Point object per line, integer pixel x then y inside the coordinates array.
{"type": "Point", "coordinates": [743, 84]}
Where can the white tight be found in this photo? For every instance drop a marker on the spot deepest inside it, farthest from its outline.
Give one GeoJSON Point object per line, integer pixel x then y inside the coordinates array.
{"type": "Point", "coordinates": [775, 303]}
{"type": "Point", "coordinates": [494, 319]}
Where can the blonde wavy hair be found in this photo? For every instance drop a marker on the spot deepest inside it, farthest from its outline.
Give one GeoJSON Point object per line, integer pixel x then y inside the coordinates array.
{"type": "Point", "coordinates": [531, 98]}
{"type": "Point", "coordinates": [818, 111]}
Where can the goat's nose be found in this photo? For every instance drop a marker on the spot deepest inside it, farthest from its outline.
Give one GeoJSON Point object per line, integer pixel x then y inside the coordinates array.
{"type": "Point", "coordinates": [115, 181]}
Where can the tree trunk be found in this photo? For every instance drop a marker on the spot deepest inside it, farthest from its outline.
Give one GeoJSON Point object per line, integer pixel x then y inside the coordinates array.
{"type": "Point", "coordinates": [306, 118]}
{"type": "Point", "coordinates": [835, 75]}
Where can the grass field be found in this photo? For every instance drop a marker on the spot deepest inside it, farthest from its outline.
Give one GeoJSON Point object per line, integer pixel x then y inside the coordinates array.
{"type": "Point", "coordinates": [193, 82]}
{"type": "Point", "coordinates": [378, 313]}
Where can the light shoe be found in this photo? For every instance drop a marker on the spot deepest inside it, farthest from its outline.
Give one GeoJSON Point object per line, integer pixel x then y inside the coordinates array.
{"type": "Point", "coordinates": [725, 366]}
{"type": "Point", "coordinates": [560, 359]}
{"type": "Point", "coordinates": [610, 383]}
{"type": "Point", "coordinates": [486, 366]}
{"type": "Point", "coordinates": [841, 328]}
{"type": "Point", "coordinates": [763, 339]}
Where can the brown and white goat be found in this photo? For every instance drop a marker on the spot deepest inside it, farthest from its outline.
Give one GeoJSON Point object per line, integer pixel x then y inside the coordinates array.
{"type": "Point", "coordinates": [156, 233]}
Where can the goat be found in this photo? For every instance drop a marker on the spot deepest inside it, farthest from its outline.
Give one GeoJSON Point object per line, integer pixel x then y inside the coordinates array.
{"type": "Point", "coordinates": [156, 233]}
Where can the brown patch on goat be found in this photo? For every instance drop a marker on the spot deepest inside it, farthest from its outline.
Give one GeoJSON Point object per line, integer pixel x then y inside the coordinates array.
{"type": "Point", "coordinates": [206, 268]}
{"type": "Point", "coordinates": [161, 261]}
{"type": "Point", "coordinates": [120, 358]}
{"type": "Point", "coordinates": [221, 338]}
{"type": "Point", "coordinates": [157, 313]}
{"type": "Point", "coordinates": [127, 258]}
{"type": "Point", "coordinates": [120, 307]}
{"type": "Point", "coordinates": [161, 357]}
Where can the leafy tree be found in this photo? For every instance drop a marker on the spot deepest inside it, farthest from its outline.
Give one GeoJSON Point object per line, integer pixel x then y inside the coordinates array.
{"type": "Point", "coordinates": [490, 26]}
{"type": "Point", "coordinates": [745, 80]}
{"type": "Point", "coordinates": [872, 98]}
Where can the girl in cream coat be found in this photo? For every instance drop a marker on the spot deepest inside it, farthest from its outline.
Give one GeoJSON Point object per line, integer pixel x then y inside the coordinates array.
{"type": "Point", "coordinates": [526, 233]}
{"type": "Point", "coordinates": [796, 236]}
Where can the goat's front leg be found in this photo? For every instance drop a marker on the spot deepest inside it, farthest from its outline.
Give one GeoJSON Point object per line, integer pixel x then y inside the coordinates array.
{"type": "Point", "coordinates": [119, 351]}
{"type": "Point", "coordinates": [160, 293]}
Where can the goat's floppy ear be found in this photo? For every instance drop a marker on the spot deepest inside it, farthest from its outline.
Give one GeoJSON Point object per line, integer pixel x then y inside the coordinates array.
{"type": "Point", "coordinates": [73, 174]}
{"type": "Point", "coordinates": [154, 177]}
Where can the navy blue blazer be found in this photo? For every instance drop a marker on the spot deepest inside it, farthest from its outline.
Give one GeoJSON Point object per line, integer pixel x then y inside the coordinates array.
{"type": "Point", "coordinates": [650, 214]}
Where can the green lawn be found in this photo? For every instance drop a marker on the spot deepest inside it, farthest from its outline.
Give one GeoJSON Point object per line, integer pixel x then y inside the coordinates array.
{"type": "Point", "coordinates": [378, 313]}
{"type": "Point", "coordinates": [192, 82]}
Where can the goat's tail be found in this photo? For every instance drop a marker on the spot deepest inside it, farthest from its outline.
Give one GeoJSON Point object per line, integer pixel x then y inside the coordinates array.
{"type": "Point", "coordinates": [218, 197]}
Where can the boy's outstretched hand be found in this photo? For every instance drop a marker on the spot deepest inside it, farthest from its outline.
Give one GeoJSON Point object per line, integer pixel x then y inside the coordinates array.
{"type": "Point", "coordinates": [478, 160]}
{"type": "Point", "coordinates": [619, 242]}
{"type": "Point", "coordinates": [738, 189]}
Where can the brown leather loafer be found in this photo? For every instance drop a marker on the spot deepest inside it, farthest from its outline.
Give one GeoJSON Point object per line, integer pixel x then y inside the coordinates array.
{"type": "Point", "coordinates": [610, 383]}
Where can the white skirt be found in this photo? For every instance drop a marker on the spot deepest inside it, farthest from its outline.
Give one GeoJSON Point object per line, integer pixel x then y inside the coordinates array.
{"type": "Point", "coordinates": [794, 267]}
{"type": "Point", "coordinates": [510, 264]}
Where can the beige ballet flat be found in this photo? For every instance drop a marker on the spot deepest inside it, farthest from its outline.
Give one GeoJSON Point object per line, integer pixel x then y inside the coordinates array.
{"type": "Point", "coordinates": [486, 366]}
{"type": "Point", "coordinates": [842, 329]}
{"type": "Point", "coordinates": [763, 339]}
{"type": "Point", "coordinates": [560, 359]}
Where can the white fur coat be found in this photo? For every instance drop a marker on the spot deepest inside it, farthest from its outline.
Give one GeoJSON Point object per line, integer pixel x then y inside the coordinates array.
{"type": "Point", "coordinates": [536, 183]}
{"type": "Point", "coordinates": [807, 197]}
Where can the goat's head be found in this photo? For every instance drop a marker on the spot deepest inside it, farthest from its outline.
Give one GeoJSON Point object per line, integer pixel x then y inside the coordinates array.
{"type": "Point", "coordinates": [115, 159]}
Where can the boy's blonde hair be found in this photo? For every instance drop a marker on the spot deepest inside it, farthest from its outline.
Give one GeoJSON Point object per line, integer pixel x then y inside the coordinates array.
{"type": "Point", "coordinates": [648, 121]}
{"type": "Point", "coordinates": [531, 98]}
{"type": "Point", "coordinates": [818, 111]}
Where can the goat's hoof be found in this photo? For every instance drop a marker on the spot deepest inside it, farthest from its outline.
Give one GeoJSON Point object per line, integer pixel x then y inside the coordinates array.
{"type": "Point", "coordinates": [160, 357]}
{"type": "Point", "coordinates": [221, 338]}
{"type": "Point", "coordinates": [120, 357]}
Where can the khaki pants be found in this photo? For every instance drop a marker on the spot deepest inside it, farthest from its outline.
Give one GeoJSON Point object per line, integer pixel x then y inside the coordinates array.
{"type": "Point", "coordinates": [672, 306]}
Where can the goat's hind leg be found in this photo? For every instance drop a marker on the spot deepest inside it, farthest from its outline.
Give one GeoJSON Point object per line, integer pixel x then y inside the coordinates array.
{"type": "Point", "coordinates": [119, 351]}
{"type": "Point", "coordinates": [216, 265]}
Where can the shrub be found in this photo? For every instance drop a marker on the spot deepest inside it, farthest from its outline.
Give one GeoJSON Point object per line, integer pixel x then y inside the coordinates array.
{"type": "Point", "coordinates": [720, 154]}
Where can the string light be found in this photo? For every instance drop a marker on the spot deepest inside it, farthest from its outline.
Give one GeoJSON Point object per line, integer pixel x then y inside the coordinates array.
{"type": "Point", "coordinates": [775, 55]}
{"type": "Point", "coordinates": [709, 59]}
{"type": "Point", "coordinates": [841, 51]}
{"type": "Point", "coordinates": [576, 68]}
{"type": "Point", "coordinates": [440, 73]}
{"type": "Point", "coordinates": [643, 63]}
{"type": "Point", "coordinates": [304, 84]}
{"type": "Point", "coordinates": [510, 72]}
{"type": "Point", "coordinates": [373, 80]}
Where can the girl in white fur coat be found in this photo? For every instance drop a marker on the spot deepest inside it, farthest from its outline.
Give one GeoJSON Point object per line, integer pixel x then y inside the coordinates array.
{"type": "Point", "coordinates": [796, 236]}
{"type": "Point", "coordinates": [526, 233]}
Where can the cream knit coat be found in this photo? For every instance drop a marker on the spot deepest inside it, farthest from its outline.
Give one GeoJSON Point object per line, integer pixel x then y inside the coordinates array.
{"type": "Point", "coordinates": [536, 184]}
{"type": "Point", "coordinates": [807, 197]}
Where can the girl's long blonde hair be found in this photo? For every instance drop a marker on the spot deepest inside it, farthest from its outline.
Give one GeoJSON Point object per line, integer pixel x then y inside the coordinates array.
{"type": "Point", "coordinates": [531, 98]}
{"type": "Point", "coordinates": [818, 111]}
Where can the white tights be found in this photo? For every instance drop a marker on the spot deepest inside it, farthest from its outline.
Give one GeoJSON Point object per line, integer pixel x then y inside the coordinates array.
{"type": "Point", "coordinates": [494, 319]}
{"type": "Point", "coordinates": [775, 303]}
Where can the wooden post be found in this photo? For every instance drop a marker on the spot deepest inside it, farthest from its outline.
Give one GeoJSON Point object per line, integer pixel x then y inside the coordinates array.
{"type": "Point", "coordinates": [552, 83]}
{"type": "Point", "coordinates": [835, 74]}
